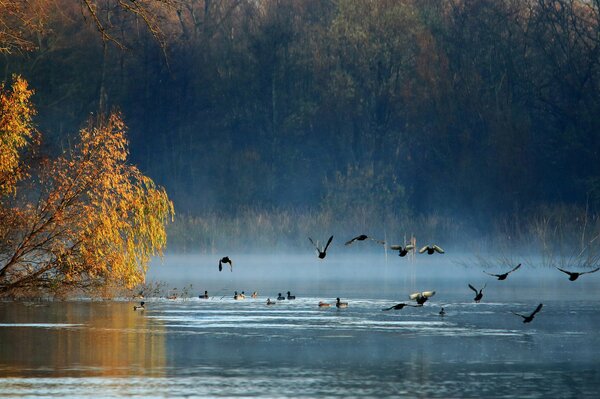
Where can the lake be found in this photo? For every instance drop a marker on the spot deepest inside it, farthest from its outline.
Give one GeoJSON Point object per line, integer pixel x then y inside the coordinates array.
{"type": "Point", "coordinates": [221, 347]}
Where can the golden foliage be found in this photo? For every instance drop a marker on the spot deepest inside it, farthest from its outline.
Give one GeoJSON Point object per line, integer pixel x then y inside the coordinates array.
{"type": "Point", "coordinates": [97, 223]}
{"type": "Point", "coordinates": [16, 132]}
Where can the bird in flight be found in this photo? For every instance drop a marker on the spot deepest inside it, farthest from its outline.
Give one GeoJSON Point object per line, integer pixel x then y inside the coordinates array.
{"type": "Point", "coordinates": [322, 252]}
{"type": "Point", "coordinates": [575, 275]}
{"type": "Point", "coordinates": [225, 259]}
{"type": "Point", "coordinates": [478, 294]}
{"type": "Point", "coordinates": [503, 276]}
{"type": "Point", "coordinates": [430, 249]}
{"type": "Point", "coordinates": [421, 297]}
{"type": "Point", "coordinates": [402, 250]}
{"type": "Point", "coordinates": [363, 237]}
{"type": "Point", "coordinates": [527, 319]}
{"type": "Point", "coordinates": [400, 306]}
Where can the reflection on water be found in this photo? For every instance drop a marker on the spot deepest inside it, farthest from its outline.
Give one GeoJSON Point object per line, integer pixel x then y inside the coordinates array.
{"type": "Point", "coordinates": [222, 347]}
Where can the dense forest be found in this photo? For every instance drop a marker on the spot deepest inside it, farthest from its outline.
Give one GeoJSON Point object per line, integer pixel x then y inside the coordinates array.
{"type": "Point", "coordinates": [470, 109]}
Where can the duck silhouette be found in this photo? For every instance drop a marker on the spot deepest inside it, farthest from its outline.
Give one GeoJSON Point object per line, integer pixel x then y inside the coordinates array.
{"type": "Point", "coordinates": [290, 296]}
{"type": "Point", "coordinates": [402, 250]}
{"type": "Point", "coordinates": [528, 319]}
{"type": "Point", "coordinates": [478, 294]}
{"type": "Point", "coordinates": [575, 275]}
{"type": "Point", "coordinates": [442, 312]}
{"type": "Point", "coordinates": [363, 237]}
{"type": "Point", "coordinates": [503, 276]}
{"type": "Point", "coordinates": [225, 259]}
{"type": "Point", "coordinates": [321, 253]}
{"type": "Point", "coordinates": [400, 306]}
{"type": "Point", "coordinates": [270, 302]}
{"type": "Point", "coordinates": [430, 249]}
{"type": "Point", "coordinates": [421, 297]}
{"type": "Point", "coordinates": [280, 297]}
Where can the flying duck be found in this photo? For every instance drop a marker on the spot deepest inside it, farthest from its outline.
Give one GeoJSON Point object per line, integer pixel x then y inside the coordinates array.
{"type": "Point", "coordinates": [503, 276]}
{"type": "Point", "coordinates": [363, 237]}
{"type": "Point", "coordinates": [528, 319]}
{"type": "Point", "coordinates": [339, 304]}
{"type": "Point", "coordinates": [141, 307]}
{"type": "Point", "coordinates": [421, 297]}
{"type": "Point", "coordinates": [400, 306]}
{"type": "Point", "coordinates": [478, 294]}
{"type": "Point", "coordinates": [575, 275]}
{"type": "Point", "coordinates": [431, 249]}
{"type": "Point", "coordinates": [225, 259]}
{"type": "Point", "coordinates": [402, 250]}
{"type": "Point", "coordinates": [322, 253]}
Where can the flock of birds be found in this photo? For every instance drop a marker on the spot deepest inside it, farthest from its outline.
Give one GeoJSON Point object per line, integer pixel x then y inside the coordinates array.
{"type": "Point", "coordinates": [419, 297]}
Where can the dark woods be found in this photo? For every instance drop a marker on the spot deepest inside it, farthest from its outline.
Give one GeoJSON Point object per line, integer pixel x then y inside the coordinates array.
{"type": "Point", "coordinates": [476, 108]}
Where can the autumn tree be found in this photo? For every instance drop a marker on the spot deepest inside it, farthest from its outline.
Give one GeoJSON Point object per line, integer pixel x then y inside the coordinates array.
{"type": "Point", "coordinates": [95, 223]}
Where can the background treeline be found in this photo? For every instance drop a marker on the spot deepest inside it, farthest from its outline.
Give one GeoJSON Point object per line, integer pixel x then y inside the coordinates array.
{"type": "Point", "coordinates": [471, 110]}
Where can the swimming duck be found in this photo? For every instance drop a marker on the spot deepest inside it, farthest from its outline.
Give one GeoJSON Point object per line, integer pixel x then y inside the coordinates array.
{"type": "Point", "coordinates": [528, 319]}
{"type": "Point", "coordinates": [324, 304]}
{"type": "Point", "coordinates": [442, 312]}
{"type": "Point", "coordinates": [478, 294]}
{"type": "Point", "coordinates": [402, 250]}
{"type": "Point", "coordinates": [503, 276]}
{"type": "Point", "coordinates": [363, 237]}
{"type": "Point", "coordinates": [280, 297]}
{"type": "Point", "coordinates": [321, 253]}
{"type": "Point", "coordinates": [421, 297]}
{"type": "Point", "coordinates": [430, 249]}
{"type": "Point", "coordinates": [575, 275]}
{"type": "Point", "coordinates": [254, 294]}
{"type": "Point", "coordinates": [400, 306]}
{"type": "Point", "coordinates": [225, 259]}
{"type": "Point", "coordinates": [270, 302]}
{"type": "Point", "coordinates": [141, 307]}
{"type": "Point", "coordinates": [204, 296]}
{"type": "Point", "coordinates": [339, 304]}
{"type": "Point", "coordinates": [290, 296]}
{"type": "Point", "coordinates": [237, 296]}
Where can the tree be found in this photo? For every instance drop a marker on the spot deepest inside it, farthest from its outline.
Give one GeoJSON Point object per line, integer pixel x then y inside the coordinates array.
{"type": "Point", "coordinates": [95, 224]}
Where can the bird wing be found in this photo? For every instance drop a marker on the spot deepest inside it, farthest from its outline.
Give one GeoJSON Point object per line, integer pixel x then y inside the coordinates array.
{"type": "Point", "coordinates": [390, 308]}
{"type": "Point", "coordinates": [495, 275]}
{"type": "Point", "coordinates": [591, 271]}
{"type": "Point", "coordinates": [220, 266]}
{"type": "Point", "coordinates": [396, 247]}
{"type": "Point", "coordinates": [473, 288]}
{"type": "Point", "coordinates": [428, 294]}
{"type": "Point", "coordinates": [438, 249]}
{"type": "Point", "coordinates": [423, 249]}
{"type": "Point", "coordinates": [515, 268]}
{"type": "Point", "coordinates": [414, 295]}
{"type": "Point", "coordinates": [518, 314]}
{"type": "Point", "coordinates": [409, 247]}
{"type": "Point", "coordinates": [564, 271]}
{"type": "Point", "coordinates": [351, 241]}
{"type": "Point", "coordinates": [328, 242]}
{"type": "Point", "coordinates": [313, 243]}
{"type": "Point", "coordinates": [539, 307]}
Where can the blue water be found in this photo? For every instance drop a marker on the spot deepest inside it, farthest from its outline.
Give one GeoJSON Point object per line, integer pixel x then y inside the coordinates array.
{"type": "Point", "coordinates": [226, 348]}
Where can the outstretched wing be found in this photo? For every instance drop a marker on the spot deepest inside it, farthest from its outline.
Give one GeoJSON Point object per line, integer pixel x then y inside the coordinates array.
{"type": "Point", "coordinates": [473, 288]}
{"type": "Point", "coordinates": [409, 247]}
{"type": "Point", "coordinates": [220, 266]}
{"type": "Point", "coordinates": [539, 307]}
{"type": "Point", "coordinates": [495, 275]}
{"type": "Point", "coordinates": [328, 242]}
{"type": "Point", "coordinates": [351, 241]}
{"type": "Point", "coordinates": [396, 247]}
{"type": "Point", "coordinates": [313, 243]}
{"type": "Point", "coordinates": [428, 294]}
{"type": "Point", "coordinates": [515, 268]}
{"type": "Point", "coordinates": [564, 271]}
{"type": "Point", "coordinates": [438, 249]}
{"type": "Point", "coordinates": [414, 295]}
{"type": "Point", "coordinates": [518, 314]}
{"type": "Point", "coordinates": [423, 249]}
{"type": "Point", "coordinates": [591, 271]}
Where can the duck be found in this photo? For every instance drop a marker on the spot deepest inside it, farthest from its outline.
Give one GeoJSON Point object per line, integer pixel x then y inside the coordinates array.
{"type": "Point", "coordinates": [204, 296]}
{"type": "Point", "coordinates": [478, 294]}
{"type": "Point", "coordinates": [430, 249]}
{"type": "Point", "coordinates": [528, 319]}
{"type": "Point", "coordinates": [442, 312]}
{"type": "Point", "coordinates": [254, 294]}
{"type": "Point", "coordinates": [503, 276]}
{"type": "Point", "coordinates": [339, 304]}
{"type": "Point", "coordinates": [400, 306]}
{"type": "Point", "coordinates": [363, 237]}
{"type": "Point", "coordinates": [290, 296]}
{"type": "Point", "coordinates": [402, 250]}
{"type": "Point", "coordinates": [140, 307]}
{"type": "Point", "coordinates": [421, 297]}
{"type": "Point", "coordinates": [321, 253]}
{"type": "Point", "coordinates": [280, 297]}
{"type": "Point", "coordinates": [324, 304]}
{"type": "Point", "coordinates": [270, 302]}
{"type": "Point", "coordinates": [575, 275]}
{"type": "Point", "coordinates": [237, 296]}
{"type": "Point", "coordinates": [225, 259]}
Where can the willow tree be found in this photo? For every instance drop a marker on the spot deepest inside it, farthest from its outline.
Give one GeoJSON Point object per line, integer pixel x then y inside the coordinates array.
{"type": "Point", "coordinates": [95, 222]}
